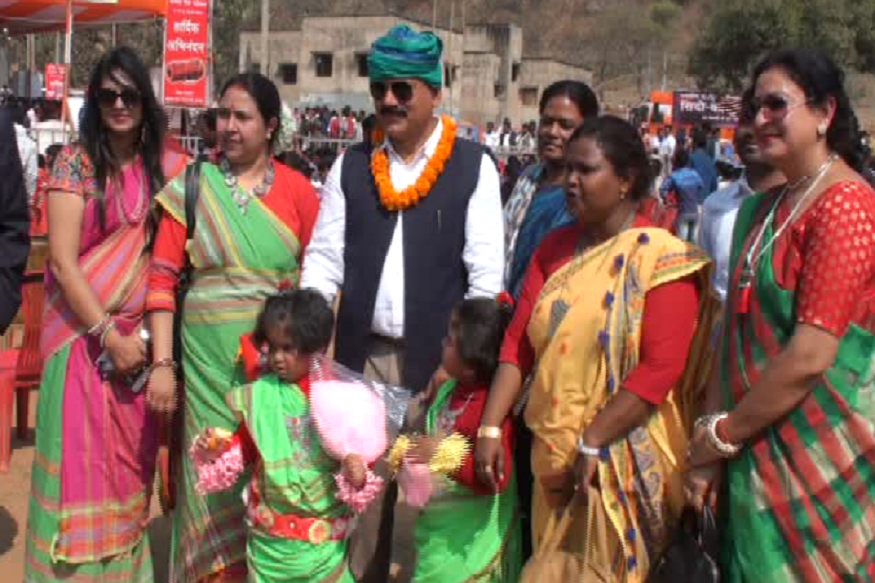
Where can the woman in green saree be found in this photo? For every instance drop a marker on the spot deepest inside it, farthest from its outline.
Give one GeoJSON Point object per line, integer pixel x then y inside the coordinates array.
{"type": "Point", "coordinates": [792, 404]}
{"type": "Point", "coordinates": [253, 219]}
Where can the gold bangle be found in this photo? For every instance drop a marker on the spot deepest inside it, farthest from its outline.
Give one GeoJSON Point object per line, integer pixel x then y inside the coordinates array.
{"type": "Point", "coordinates": [489, 432]}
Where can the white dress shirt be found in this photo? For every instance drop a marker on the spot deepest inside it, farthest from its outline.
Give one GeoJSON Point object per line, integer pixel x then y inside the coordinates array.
{"type": "Point", "coordinates": [718, 222]}
{"type": "Point", "coordinates": [483, 253]}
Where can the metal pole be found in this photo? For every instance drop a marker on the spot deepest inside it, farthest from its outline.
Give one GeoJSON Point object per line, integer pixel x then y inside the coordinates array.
{"type": "Point", "coordinates": [450, 49]}
{"type": "Point", "coordinates": [664, 69]}
{"type": "Point", "coordinates": [265, 33]}
{"type": "Point", "coordinates": [434, 15]}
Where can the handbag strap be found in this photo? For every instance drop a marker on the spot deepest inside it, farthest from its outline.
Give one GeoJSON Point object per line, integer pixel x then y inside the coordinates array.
{"type": "Point", "coordinates": [192, 193]}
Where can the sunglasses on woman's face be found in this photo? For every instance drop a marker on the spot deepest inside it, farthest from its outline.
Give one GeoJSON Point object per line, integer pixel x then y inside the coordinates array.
{"type": "Point", "coordinates": [774, 107]}
{"type": "Point", "coordinates": [109, 97]}
{"type": "Point", "coordinates": [402, 90]}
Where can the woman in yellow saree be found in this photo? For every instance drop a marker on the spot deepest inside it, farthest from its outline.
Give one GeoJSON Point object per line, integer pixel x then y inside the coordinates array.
{"type": "Point", "coordinates": [609, 312]}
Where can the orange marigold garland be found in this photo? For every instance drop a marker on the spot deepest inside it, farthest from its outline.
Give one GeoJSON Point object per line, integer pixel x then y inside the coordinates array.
{"type": "Point", "coordinates": [395, 201]}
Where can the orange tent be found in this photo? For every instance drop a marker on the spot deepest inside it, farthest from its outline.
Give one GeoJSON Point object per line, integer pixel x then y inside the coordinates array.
{"type": "Point", "coordinates": [26, 16]}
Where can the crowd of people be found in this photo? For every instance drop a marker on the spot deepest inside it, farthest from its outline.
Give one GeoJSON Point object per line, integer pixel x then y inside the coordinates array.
{"type": "Point", "coordinates": [595, 362]}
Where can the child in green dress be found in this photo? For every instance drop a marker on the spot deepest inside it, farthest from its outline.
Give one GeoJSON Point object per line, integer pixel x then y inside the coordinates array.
{"type": "Point", "coordinates": [298, 526]}
{"type": "Point", "coordinates": [469, 528]}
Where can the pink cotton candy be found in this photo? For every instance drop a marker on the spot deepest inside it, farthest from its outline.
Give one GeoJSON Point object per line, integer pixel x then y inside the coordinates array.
{"type": "Point", "coordinates": [221, 473]}
{"type": "Point", "coordinates": [358, 499]}
{"type": "Point", "coordinates": [350, 419]}
{"type": "Point", "coordinates": [416, 482]}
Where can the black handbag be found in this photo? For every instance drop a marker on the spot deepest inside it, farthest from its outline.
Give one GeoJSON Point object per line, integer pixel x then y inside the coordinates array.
{"type": "Point", "coordinates": [691, 557]}
{"type": "Point", "coordinates": [169, 458]}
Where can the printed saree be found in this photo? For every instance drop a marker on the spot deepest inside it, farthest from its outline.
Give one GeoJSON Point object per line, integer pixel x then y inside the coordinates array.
{"type": "Point", "coordinates": [463, 537]}
{"type": "Point", "coordinates": [586, 332]}
{"type": "Point", "coordinates": [295, 476]}
{"type": "Point", "coordinates": [95, 440]}
{"type": "Point", "coordinates": [238, 261]}
{"type": "Point", "coordinates": [801, 495]}
{"type": "Point", "coordinates": [532, 212]}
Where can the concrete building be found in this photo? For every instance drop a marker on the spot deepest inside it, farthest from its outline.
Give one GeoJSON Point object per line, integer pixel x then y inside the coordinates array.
{"type": "Point", "coordinates": [486, 76]}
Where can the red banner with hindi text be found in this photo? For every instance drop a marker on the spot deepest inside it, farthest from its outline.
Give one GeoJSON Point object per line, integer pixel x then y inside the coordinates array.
{"type": "Point", "coordinates": [55, 74]}
{"type": "Point", "coordinates": [186, 53]}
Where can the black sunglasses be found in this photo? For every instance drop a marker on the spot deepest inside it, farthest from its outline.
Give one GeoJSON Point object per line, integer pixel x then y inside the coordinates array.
{"type": "Point", "coordinates": [774, 107]}
{"type": "Point", "coordinates": [108, 97]}
{"type": "Point", "coordinates": [402, 90]}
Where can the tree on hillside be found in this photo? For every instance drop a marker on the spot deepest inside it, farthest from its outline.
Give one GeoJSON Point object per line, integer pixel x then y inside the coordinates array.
{"type": "Point", "coordinates": [739, 32]}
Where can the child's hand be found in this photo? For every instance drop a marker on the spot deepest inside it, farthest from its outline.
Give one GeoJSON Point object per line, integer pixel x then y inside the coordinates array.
{"type": "Point", "coordinates": [353, 468]}
{"type": "Point", "coordinates": [423, 448]}
{"type": "Point", "coordinates": [213, 442]}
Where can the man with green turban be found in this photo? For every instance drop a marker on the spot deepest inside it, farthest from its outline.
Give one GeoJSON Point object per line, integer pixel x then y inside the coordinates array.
{"type": "Point", "coordinates": [409, 225]}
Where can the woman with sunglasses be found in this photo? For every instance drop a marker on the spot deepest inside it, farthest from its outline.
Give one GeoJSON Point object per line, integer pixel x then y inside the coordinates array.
{"type": "Point", "coordinates": [96, 441]}
{"type": "Point", "coordinates": [253, 220]}
{"type": "Point", "coordinates": [607, 319]}
{"type": "Point", "coordinates": [790, 421]}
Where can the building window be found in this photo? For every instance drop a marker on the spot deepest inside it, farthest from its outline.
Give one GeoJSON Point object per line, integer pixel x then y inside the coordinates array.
{"type": "Point", "coordinates": [515, 72]}
{"type": "Point", "coordinates": [449, 74]}
{"type": "Point", "coordinates": [324, 64]}
{"type": "Point", "coordinates": [361, 61]}
{"type": "Point", "coordinates": [500, 91]}
{"type": "Point", "coordinates": [253, 67]}
{"type": "Point", "coordinates": [289, 73]}
{"type": "Point", "coordinates": [529, 96]}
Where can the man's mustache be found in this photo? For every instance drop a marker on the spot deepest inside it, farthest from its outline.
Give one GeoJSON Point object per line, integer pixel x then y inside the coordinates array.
{"type": "Point", "coordinates": [393, 111]}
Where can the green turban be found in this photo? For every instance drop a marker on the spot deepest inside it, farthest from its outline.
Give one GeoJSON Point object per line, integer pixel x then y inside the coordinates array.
{"type": "Point", "coordinates": [406, 54]}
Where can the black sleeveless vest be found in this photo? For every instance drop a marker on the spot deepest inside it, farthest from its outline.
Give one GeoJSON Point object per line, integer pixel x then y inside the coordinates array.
{"type": "Point", "coordinates": [435, 277]}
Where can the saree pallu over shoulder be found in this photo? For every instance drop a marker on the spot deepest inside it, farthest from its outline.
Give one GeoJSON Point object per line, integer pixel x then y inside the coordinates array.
{"type": "Point", "coordinates": [801, 501]}
{"type": "Point", "coordinates": [586, 332]}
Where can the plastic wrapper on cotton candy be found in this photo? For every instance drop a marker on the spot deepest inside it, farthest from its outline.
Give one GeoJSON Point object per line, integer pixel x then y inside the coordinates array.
{"type": "Point", "coordinates": [352, 415]}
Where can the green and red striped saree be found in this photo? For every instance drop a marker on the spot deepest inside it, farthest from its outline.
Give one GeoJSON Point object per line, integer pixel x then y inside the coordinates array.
{"type": "Point", "coordinates": [801, 495]}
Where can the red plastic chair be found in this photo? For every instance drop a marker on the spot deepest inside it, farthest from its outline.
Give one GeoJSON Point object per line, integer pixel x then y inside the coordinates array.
{"type": "Point", "coordinates": [29, 369]}
{"type": "Point", "coordinates": [8, 361]}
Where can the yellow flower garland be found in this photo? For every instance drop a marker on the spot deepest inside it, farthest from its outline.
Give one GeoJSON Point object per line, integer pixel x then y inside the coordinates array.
{"type": "Point", "coordinates": [393, 200]}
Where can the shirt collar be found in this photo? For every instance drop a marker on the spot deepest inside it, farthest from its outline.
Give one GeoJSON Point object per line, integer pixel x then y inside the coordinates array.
{"type": "Point", "coordinates": [427, 149]}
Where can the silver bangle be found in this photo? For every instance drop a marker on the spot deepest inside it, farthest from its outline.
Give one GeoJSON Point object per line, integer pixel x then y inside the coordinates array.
{"type": "Point", "coordinates": [584, 449]}
{"type": "Point", "coordinates": [97, 329]}
{"type": "Point", "coordinates": [709, 423]}
{"type": "Point", "coordinates": [106, 332]}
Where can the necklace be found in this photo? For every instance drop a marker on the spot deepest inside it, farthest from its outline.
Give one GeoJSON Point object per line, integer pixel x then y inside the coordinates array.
{"type": "Point", "coordinates": [139, 211]}
{"type": "Point", "coordinates": [241, 196]}
{"type": "Point", "coordinates": [393, 200]}
{"type": "Point", "coordinates": [752, 258]}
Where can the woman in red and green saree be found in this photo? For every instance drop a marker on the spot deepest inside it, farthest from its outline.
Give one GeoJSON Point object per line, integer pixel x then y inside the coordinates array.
{"type": "Point", "coordinates": [96, 440]}
{"type": "Point", "coordinates": [253, 220]}
{"type": "Point", "coordinates": [792, 404]}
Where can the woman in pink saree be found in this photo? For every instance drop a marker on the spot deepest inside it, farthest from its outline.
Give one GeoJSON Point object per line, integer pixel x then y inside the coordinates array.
{"type": "Point", "coordinates": [96, 439]}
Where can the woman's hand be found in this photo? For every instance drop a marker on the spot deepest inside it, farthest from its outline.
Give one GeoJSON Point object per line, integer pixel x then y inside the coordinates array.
{"type": "Point", "coordinates": [585, 472]}
{"type": "Point", "coordinates": [701, 452]}
{"type": "Point", "coordinates": [702, 485]}
{"type": "Point", "coordinates": [353, 468]}
{"type": "Point", "coordinates": [128, 353]}
{"type": "Point", "coordinates": [161, 392]}
{"type": "Point", "coordinates": [489, 461]}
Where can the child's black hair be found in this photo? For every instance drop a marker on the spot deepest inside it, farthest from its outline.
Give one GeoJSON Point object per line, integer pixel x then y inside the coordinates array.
{"type": "Point", "coordinates": [305, 315]}
{"type": "Point", "coordinates": [479, 325]}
